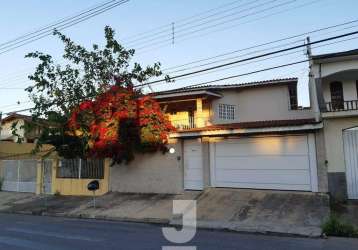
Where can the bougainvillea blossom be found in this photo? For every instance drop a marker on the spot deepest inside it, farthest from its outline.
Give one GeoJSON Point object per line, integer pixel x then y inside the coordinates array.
{"type": "Point", "coordinates": [119, 122]}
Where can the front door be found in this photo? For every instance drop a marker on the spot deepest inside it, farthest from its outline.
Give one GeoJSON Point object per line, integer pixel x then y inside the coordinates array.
{"type": "Point", "coordinates": [193, 165]}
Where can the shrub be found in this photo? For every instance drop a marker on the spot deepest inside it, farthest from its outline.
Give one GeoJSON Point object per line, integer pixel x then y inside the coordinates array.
{"type": "Point", "coordinates": [334, 226]}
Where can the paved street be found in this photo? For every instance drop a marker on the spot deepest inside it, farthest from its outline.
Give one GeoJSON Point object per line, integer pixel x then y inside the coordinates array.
{"type": "Point", "coordinates": [34, 232]}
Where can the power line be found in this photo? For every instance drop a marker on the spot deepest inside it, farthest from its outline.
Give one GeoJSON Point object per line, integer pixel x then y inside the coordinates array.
{"type": "Point", "coordinates": [256, 46]}
{"type": "Point", "coordinates": [52, 25]}
{"type": "Point", "coordinates": [179, 28]}
{"type": "Point", "coordinates": [17, 104]}
{"type": "Point", "coordinates": [254, 57]}
{"type": "Point", "coordinates": [250, 62]}
{"type": "Point", "coordinates": [263, 44]}
{"type": "Point", "coordinates": [234, 57]}
{"type": "Point", "coordinates": [65, 25]}
{"type": "Point", "coordinates": [17, 111]}
{"type": "Point", "coordinates": [248, 73]}
{"type": "Point", "coordinates": [265, 59]}
{"type": "Point", "coordinates": [168, 26]}
{"type": "Point", "coordinates": [220, 79]}
{"type": "Point", "coordinates": [306, 33]}
{"type": "Point", "coordinates": [182, 33]}
{"type": "Point", "coordinates": [165, 43]}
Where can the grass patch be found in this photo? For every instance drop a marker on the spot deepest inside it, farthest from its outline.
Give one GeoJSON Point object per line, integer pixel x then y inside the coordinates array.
{"type": "Point", "coordinates": [334, 226]}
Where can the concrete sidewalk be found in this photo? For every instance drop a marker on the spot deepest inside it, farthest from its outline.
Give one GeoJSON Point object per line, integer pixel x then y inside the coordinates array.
{"type": "Point", "coordinates": [153, 208]}
{"type": "Point", "coordinates": [297, 213]}
{"type": "Point", "coordinates": [232, 209]}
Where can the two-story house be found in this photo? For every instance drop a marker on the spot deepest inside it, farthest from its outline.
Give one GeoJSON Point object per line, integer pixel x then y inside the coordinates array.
{"type": "Point", "coordinates": [334, 80]}
{"type": "Point", "coordinates": [20, 122]}
{"type": "Point", "coordinates": [250, 135]}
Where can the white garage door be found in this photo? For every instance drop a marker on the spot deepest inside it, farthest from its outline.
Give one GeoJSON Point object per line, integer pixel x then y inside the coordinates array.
{"type": "Point", "coordinates": [276, 162]}
{"type": "Point", "coordinates": [193, 165]}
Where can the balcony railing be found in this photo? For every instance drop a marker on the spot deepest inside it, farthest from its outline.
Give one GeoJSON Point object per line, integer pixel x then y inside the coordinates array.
{"type": "Point", "coordinates": [342, 106]}
{"type": "Point", "coordinates": [184, 124]}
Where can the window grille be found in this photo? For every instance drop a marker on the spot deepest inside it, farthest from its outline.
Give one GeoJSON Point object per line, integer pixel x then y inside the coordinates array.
{"type": "Point", "coordinates": [226, 112]}
{"type": "Point", "coordinates": [81, 169]}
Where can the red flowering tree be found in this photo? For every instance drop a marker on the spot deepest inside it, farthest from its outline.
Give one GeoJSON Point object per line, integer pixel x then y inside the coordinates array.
{"type": "Point", "coordinates": [119, 123]}
{"type": "Point", "coordinates": [88, 117]}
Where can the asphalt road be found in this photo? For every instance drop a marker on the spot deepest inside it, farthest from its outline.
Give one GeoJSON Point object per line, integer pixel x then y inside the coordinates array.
{"type": "Point", "coordinates": [35, 232]}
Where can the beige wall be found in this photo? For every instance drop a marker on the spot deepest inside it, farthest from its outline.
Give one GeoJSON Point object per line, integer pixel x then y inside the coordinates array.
{"type": "Point", "coordinates": [321, 161]}
{"type": "Point", "coordinates": [12, 150]}
{"type": "Point", "coordinates": [333, 129]}
{"type": "Point", "coordinates": [329, 68]}
{"type": "Point", "coordinates": [150, 173]}
{"type": "Point", "coordinates": [251, 104]}
{"type": "Point", "coordinates": [257, 104]}
{"type": "Point", "coordinates": [73, 186]}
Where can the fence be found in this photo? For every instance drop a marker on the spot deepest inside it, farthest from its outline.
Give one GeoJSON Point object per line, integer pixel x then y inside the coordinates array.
{"type": "Point", "coordinates": [81, 169]}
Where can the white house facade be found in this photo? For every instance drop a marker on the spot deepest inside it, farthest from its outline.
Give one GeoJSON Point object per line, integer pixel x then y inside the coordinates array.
{"type": "Point", "coordinates": [251, 135]}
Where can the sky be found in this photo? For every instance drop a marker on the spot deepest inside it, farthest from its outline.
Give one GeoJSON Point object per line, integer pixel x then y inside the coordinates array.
{"type": "Point", "coordinates": [202, 29]}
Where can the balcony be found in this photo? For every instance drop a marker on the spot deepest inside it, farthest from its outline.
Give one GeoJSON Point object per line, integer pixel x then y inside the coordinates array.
{"type": "Point", "coordinates": [184, 124]}
{"type": "Point", "coordinates": [342, 106]}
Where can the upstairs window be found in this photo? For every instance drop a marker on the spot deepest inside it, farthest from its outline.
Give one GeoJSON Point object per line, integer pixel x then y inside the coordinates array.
{"type": "Point", "coordinates": [226, 111]}
{"type": "Point", "coordinates": [336, 95]}
{"type": "Point", "coordinates": [292, 91]}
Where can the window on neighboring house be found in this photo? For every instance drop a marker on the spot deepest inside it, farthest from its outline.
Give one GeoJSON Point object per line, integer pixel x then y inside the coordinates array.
{"type": "Point", "coordinates": [226, 112]}
{"type": "Point", "coordinates": [337, 100]}
{"type": "Point", "coordinates": [81, 169]}
{"type": "Point", "coordinates": [357, 88]}
{"type": "Point", "coordinates": [292, 90]}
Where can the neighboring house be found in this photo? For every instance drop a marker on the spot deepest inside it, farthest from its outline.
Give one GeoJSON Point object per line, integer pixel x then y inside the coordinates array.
{"type": "Point", "coordinates": [44, 172]}
{"type": "Point", "coordinates": [6, 133]}
{"type": "Point", "coordinates": [334, 79]}
{"type": "Point", "coordinates": [251, 135]}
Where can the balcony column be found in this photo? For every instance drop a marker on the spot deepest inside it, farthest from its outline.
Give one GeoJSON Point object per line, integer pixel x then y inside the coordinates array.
{"type": "Point", "coordinates": [199, 113]}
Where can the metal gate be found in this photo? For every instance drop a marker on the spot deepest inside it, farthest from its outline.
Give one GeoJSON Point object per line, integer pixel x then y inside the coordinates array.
{"type": "Point", "coordinates": [350, 143]}
{"type": "Point", "coordinates": [47, 176]}
{"type": "Point", "coordinates": [19, 175]}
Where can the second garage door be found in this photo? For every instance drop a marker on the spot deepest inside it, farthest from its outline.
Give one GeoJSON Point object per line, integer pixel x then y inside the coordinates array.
{"type": "Point", "coordinates": [271, 162]}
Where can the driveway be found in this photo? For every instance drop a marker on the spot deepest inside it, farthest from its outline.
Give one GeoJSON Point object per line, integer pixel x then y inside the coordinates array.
{"type": "Point", "coordinates": [22, 232]}
{"type": "Point", "coordinates": [299, 213]}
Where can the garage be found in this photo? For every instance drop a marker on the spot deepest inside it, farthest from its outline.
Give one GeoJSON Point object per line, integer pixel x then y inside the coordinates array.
{"type": "Point", "coordinates": [265, 162]}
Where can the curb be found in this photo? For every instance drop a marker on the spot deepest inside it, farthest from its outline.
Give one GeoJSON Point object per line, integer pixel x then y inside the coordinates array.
{"type": "Point", "coordinates": [166, 222]}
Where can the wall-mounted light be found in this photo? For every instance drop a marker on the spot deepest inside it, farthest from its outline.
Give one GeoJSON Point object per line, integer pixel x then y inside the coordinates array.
{"type": "Point", "coordinates": [172, 150]}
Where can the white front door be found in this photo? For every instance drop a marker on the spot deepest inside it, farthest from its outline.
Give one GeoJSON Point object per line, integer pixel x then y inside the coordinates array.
{"type": "Point", "coordinates": [267, 162]}
{"type": "Point", "coordinates": [350, 144]}
{"type": "Point", "coordinates": [193, 165]}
